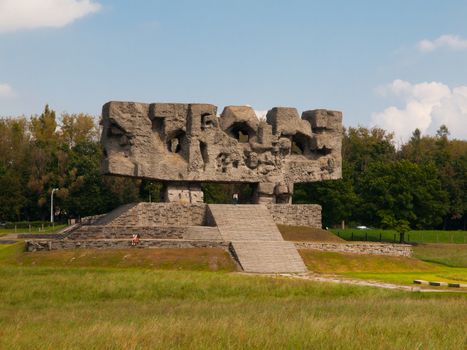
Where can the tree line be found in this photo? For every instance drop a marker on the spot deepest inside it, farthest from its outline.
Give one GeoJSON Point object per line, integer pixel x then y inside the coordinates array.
{"type": "Point", "coordinates": [422, 183]}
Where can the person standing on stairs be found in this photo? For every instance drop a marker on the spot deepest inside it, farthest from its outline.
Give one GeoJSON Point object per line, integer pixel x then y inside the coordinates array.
{"type": "Point", "coordinates": [235, 198]}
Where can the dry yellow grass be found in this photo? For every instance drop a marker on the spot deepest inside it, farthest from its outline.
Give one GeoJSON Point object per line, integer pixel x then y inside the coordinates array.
{"type": "Point", "coordinates": [307, 234]}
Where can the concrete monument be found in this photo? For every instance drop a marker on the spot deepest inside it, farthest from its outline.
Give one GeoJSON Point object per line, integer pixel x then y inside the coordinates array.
{"type": "Point", "coordinates": [186, 144]}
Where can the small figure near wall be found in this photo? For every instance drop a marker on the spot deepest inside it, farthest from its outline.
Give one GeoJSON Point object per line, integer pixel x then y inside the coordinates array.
{"type": "Point", "coordinates": [135, 239]}
{"type": "Point", "coordinates": [235, 198]}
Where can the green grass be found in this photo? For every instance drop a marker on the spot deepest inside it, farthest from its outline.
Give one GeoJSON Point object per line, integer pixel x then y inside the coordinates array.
{"type": "Point", "coordinates": [307, 234]}
{"type": "Point", "coordinates": [202, 259]}
{"type": "Point", "coordinates": [454, 255]}
{"type": "Point", "coordinates": [399, 270]}
{"type": "Point", "coordinates": [418, 236]}
{"type": "Point", "coordinates": [47, 302]}
{"type": "Point", "coordinates": [47, 229]}
{"type": "Point", "coordinates": [137, 309]}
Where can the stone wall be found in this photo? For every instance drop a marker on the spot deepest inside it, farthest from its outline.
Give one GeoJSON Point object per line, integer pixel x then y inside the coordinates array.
{"type": "Point", "coordinates": [359, 248]}
{"type": "Point", "coordinates": [178, 214]}
{"type": "Point", "coordinates": [296, 214]}
{"type": "Point", "coordinates": [163, 214]}
{"type": "Point", "coordinates": [151, 232]}
{"type": "Point", "coordinates": [39, 245]}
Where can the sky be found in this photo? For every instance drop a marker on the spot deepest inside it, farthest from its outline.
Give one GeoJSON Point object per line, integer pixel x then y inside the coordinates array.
{"type": "Point", "coordinates": [398, 65]}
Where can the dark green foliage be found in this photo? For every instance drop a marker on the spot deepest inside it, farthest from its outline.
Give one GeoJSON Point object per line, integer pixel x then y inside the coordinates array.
{"type": "Point", "coordinates": [219, 193]}
{"type": "Point", "coordinates": [423, 184]}
{"type": "Point", "coordinates": [337, 198]}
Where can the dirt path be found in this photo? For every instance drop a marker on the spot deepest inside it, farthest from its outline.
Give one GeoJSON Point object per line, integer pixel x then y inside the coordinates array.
{"type": "Point", "coordinates": [357, 282]}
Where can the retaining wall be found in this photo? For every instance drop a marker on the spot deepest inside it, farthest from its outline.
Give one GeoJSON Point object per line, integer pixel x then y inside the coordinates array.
{"type": "Point", "coordinates": [33, 246]}
{"type": "Point", "coordinates": [296, 214]}
{"type": "Point", "coordinates": [163, 214]}
{"type": "Point", "coordinates": [145, 232]}
{"type": "Point", "coordinates": [359, 248]}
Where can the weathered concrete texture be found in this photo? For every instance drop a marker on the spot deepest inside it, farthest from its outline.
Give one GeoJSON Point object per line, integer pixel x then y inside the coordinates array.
{"type": "Point", "coordinates": [184, 144]}
{"type": "Point", "coordinates": [38, 245]}
{"type": "Point", "coordinates": [150, 232]}
{"type": "Point", "coordinates": [296, 214]}
{"type": "Point", "coordinates": [179, 214]}
{"type": "Point", "coordinates": [360, 248]}
{"type": "Point", "coordinates": [162, 214]}
{"type": "Point", "coordinates": [257, 244]}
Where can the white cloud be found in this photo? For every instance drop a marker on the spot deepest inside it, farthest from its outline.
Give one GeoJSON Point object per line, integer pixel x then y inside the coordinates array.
{"type": "Point", "coordinates": [6, 91]}
{"type": "Point", "coordinates": [261, 115]}
{"type": "Point", "coordinates": [426, 106]}
{"type": "Point", "coordinates": [28, 14]}
{"type": "Point", "coordinates": [453, 42]}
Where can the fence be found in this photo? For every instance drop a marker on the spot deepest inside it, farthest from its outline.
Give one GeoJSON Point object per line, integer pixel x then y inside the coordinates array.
{"type": "Point", "coordinates": [422, 236]}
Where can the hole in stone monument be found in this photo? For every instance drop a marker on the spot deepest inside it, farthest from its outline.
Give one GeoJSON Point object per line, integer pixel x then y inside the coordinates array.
{"type": "Point", "coordinates": [158, 124]}
{"type": "Point", "coordinates": [298, 145]}
{"type": "Point", "coordinates": [115, 130]}
{"type": "Point", "coordinates": [174, 144]}
{"type": "Point", "coordinates": [241, 131]}
{"type": "Point", "coordinates": [221, 193]}
{"type": "Point", "coordinates": [242, 137]}
{"type": "Point", "coordinates": [204, 152]}
{"type": "Point", "coordinates": [206, 121]}
{"type": "Point", "coordinates": [296, 149]}
{"type": "Point", "coordinates": [324, 151]}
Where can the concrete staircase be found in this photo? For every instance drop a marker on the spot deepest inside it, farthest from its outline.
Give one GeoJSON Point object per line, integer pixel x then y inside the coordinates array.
{"type": "Point", "coordinates": [256, 241]}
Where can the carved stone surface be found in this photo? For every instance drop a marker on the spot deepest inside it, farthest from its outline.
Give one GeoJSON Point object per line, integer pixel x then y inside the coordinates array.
{"type": "Point", "coordinates": [186, 144]}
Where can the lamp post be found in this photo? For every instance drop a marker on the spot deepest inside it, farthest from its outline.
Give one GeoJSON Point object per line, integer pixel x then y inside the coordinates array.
{"type": "Point", "coordinates": [52, 205]}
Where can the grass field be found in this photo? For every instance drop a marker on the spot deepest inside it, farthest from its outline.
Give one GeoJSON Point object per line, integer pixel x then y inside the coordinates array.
{"type": "Point", "coordinates": [47, 229]}
{"type": "Point", "coordinates": [201, 259]}
{"type": "Point", "coordinates": [161, 299]}
{"type": "Point", "coordinates": [306, 233]}
{"type": "Point", "coordinates": [454, 255]}
{"type": "Point", "coordinates": [399, 270]}
{"type": "Point", "coordinates": [418, 236]}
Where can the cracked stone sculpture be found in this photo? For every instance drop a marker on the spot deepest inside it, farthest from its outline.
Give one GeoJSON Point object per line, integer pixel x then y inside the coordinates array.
{"type": "Point", "coordinates": [184, 145]}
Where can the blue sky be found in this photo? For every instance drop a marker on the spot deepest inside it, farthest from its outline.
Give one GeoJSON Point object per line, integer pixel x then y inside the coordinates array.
{"type": "Point", "coordinates": [394, 64]}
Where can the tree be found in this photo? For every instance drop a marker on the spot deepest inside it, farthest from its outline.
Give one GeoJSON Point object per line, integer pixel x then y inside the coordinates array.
{"type": "Point", "coordinates": [11, 197]}
{"type": "Point", "coordinates": [400, 226]}
{"type": "Point", "coordinates": [337, 197]}
{"type": "Point", "coordinates": [363, 146]}
{"type": "Point", "coordinates": [76, 128]}
{"type": "Point", "coordinates": [403, 190]}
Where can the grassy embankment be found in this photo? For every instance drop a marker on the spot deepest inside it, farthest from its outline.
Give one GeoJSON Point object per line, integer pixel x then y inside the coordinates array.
{"type": "Point", "coordinates": [399, 270]}
{"type": "Point", "coordinates": [43, 305]}
{"type": "Point", "coordinates": [307, 234]}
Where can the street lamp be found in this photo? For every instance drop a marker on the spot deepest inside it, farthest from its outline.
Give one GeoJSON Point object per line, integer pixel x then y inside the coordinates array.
{"type": "Point", "coordinates": [52, 205]}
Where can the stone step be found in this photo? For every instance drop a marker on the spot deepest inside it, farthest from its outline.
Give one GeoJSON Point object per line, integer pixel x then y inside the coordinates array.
{"type": "Point", "coordinates": [255, 239]}
{"type": "Point", "coordinates": [109, 217]}
{"type": "Point", "coordinates": [268, 257]}
{"type": "Point", "coordinates": [244, 222]}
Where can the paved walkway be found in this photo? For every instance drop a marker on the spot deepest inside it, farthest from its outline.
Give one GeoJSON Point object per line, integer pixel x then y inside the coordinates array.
{"type": "Point", "coordinates": [256, 240]}
{"type": "Point", "coordinates": [343, 280]}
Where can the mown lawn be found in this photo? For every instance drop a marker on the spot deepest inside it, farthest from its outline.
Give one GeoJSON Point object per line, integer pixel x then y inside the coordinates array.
{"type": "Point", "coordinates": [307, 234]}
{"type": "Point", "coordinates": [454, 255]}
{"type": "Point", "coordinates": [43, 306]}
{"type": "Point", "coordinates": [417, 236]}
{"type": "Point", "coordinates": [47, 229]}
{"type": "Point", "coordinates": [399, 270]}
